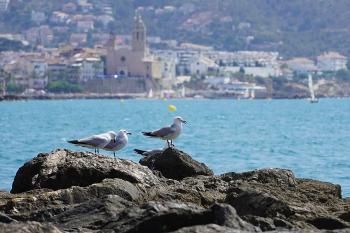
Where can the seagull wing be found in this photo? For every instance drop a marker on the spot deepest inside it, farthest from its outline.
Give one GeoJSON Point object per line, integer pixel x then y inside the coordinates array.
{"type": "Point", "coordinates": [99, 140]}
{"type": "Point", "coordinates": [163, 132]}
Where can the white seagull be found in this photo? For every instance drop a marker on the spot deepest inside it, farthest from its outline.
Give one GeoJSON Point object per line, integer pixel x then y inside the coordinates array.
{"type": "Point", "coordinates": [168, 133]}
{"type": "Point", "coordinates": [98, 141]}
{"type": "Point", "coordinates": [119, 143]}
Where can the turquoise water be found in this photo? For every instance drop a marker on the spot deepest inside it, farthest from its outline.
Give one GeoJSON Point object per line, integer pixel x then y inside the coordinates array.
{"type": "Point", "coordinates": [229, 135]}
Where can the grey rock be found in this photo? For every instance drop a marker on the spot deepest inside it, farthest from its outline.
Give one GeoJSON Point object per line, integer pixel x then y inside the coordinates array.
{"type": "Point", "coordinates": [271, 198]}
{"type": "Point", "coordinates": [28, 227]}
{"type": "Point", "coordinates": [265, 224]}
{"type": "Point", "coordinates": [328, 223]}
{"type": "Point", "coordinates": [281, 177]}
{"type": "Point", "coordinates": [345, 216]}
{"type": "Point", "coordinates": [260, 204]}
{"type": "Point", "coordinates": [64, 168]}
{"type": "Point", "coordinates": [169, 216]}
{"type": "Point", "coordinates": [5, 219]}
{"type": "Point", "coordinates": [226, 215]}
{"type": "Point", "coordinates": [175, 164]}
{"type": "Point", "coordinates": [84, 192]}
{"type": "Point", "coordinates": [209, 228]}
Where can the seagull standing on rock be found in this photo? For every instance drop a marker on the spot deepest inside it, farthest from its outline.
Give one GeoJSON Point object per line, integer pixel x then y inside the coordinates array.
{"type": "Point", "coordinates": [98, 141]}
{"type": "Point", "coordinates": [168, 133]}
{"type": "Point", "coordinates": [119, 143]}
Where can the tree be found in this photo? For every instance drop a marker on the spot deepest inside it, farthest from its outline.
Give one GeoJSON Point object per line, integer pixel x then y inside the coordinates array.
{"type": "Point", "coordinates": [241, 70]}
{"type": "Point", "coordinates": [12, 87]}
{"type": "Point", "coordinates": [63, 87]}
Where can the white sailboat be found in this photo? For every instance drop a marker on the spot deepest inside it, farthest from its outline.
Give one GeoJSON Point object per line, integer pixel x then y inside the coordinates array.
{"type": "Point", "coordinates": [183, 92]}
{"type": "Point", "coordinates": [312, 99]}
{"type": "Point", "coordinates": [150, 94]}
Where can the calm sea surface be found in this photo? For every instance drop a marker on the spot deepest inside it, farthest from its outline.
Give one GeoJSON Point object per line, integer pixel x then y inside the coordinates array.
{"type": "Point", "coordinates": [228, 135]}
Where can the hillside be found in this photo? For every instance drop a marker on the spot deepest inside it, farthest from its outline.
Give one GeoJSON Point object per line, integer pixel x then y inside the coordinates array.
{"type": "Point", "coordinates": [294, 28]}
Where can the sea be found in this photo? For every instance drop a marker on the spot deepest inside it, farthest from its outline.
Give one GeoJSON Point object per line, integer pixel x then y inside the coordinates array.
{"type": "Point", "coordinates": [313, 140]}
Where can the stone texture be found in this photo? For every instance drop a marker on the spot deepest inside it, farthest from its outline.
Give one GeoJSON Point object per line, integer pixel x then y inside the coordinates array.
{"type": "Point", "coordinates": [66, 191]}
{"type": "Point", "coordinates": [64, 168]}
{"type": "Point", "coordinates": [175, 164]}
{"type": "Point", "coordinates": [28, 227]}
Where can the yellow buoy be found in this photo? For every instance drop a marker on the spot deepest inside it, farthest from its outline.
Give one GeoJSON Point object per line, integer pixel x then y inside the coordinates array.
{"type": "Point", "coordinates": [171, 108]}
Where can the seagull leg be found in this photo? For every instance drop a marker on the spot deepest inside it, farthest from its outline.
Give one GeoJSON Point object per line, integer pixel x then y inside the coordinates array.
{"type": "Point", "coordinates": [167, 141]}
{"type": "Point", "coordinates": [171, 141]}
{"type": "Point", "coordinates": [114, 153]}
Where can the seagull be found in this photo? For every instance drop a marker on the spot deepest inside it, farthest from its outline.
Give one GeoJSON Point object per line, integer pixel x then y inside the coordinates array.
{"type": "Point", "coordinates": [119, 143]}
{"type": "Point", "coordinates": [98, 141]}
{"type": "Point", "coordinates": [168, 133]}
{"type": "Point", "coordinates": [146, 153]}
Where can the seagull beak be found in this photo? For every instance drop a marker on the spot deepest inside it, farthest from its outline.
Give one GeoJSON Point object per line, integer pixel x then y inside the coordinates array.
{"type": "Point", "coordinates": [183, 121]}
{"type": "Point", "coordinates": [128, 133]}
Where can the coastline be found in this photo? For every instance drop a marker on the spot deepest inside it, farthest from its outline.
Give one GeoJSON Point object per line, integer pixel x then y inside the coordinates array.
{"type": "Point", "coordinates": [139, 96]}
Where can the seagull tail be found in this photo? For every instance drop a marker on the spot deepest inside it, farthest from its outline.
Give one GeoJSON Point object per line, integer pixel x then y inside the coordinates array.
{"type": "Point", "coordinates": [75, 142]}
{"type": "Point", "coordinates": [149, 134]}
{"type": "Point", "coordinates": [140, 152]}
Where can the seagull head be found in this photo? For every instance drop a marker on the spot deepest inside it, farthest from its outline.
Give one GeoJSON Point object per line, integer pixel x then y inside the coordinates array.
{"type": "Point", "coordinates": [123, 131]}
{"type": "Point", "coordinates": [179, 120]}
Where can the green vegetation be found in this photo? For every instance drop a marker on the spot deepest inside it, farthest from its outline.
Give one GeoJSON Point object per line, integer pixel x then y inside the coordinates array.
{"type": "Point", "coordinates": [63, 87]}
{"type": "Point", "coordinates": [14, 88]}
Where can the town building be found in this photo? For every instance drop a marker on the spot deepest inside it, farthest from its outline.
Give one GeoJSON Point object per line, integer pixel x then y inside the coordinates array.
{"type": "Point", "coordinates": [331, 61]}
{"type": "Point", "coordinates": [4, 5]}
{"type": "Point", "coordinates": [85, 69]}
{"type": "Point", "coordinates": [134, 61]}
{"type": "Point", "coordinates": [301, 65]}
{"type": "Point", "coordinates": [202, 65]}
{"type": "Point", "coordinates": [46, 35]}
{"type": "Point", "coordinates": [57, 70]}
{"type": "Point", "coordinates": [85, 25]}
{"type": "Point", "coordinates": [69, 7]}
{"type": "Point", "coordinates": [38, 17]}
{"type": "Point", "coordinates": [184, 60]}
{"type": "Point", "coordinates": [59, 17]}
{"type": "Point", "coordinates": [167, 60]}
{"type": "Point", "coordinates": [78, 39]}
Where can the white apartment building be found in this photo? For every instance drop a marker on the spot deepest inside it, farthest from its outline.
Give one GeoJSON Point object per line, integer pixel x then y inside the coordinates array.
{"type": "Point", "coordinates": [331, 61]}
{"type": "Point", "coordinates": [88, 68]}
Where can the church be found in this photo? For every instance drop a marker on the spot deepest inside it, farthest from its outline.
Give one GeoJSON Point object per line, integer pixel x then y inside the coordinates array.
{"type": "Point", "coordinates": [132, 61]}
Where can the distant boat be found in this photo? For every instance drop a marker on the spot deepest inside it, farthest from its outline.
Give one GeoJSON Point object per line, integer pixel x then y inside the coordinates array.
{"type": "Point", "coordinates": [312, 99]}
{"type": "Point", "coordinates": [183, 92]}
{"type": "Point", "coordinates": [150, 94]}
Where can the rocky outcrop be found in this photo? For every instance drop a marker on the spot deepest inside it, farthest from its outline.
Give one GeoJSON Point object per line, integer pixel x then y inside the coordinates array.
{"type": "Point", "coordinates": [63, 169]}
{"type": "Point", "coordinates": [66, 191]}
{"type": "Point", "coordinates": [175, 164]}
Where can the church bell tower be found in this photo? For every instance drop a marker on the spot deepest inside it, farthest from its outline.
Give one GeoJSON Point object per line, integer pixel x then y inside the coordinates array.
{"type": "Point", "coordinates": [139, 35]}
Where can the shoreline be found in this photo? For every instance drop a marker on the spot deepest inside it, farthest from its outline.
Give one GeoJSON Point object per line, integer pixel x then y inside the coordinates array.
{"type": "Point", "coordinates": [142, 96]}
